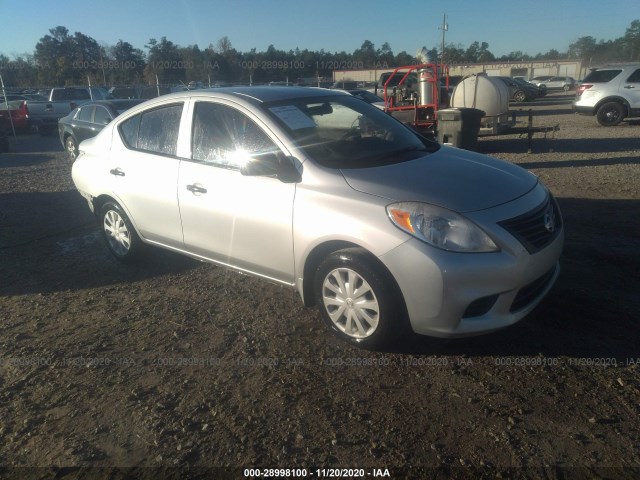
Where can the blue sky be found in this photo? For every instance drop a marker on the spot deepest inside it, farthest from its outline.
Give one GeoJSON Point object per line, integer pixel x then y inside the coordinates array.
{"type": "Point", "coordinates": [531, 26]}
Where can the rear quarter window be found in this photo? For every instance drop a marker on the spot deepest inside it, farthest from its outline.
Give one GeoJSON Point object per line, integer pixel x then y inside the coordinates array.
{"type": "Point", "coordinates": [129, 131]}
{"type": "Point", "coordinates": [601, 76]}
{"type": "Point", "coordinates": [634, 77]}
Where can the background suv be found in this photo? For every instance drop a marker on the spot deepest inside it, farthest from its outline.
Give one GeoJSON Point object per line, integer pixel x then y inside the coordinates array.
{"type": "Point", "coordinates": [610, 93]}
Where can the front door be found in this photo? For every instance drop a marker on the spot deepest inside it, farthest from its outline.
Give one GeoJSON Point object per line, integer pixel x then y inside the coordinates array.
{"type": "Point", "coordinates": [233, 219]}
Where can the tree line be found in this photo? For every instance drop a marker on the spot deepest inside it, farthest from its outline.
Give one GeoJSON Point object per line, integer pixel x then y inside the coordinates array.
{"type": "Point", "coordinates": [61, 58]}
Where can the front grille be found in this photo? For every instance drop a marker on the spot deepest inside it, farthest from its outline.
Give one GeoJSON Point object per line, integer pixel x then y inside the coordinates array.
{"type": "Point", "coordinates": [538, 228]}
{"type": "Point", "coordinates": [530, 292]}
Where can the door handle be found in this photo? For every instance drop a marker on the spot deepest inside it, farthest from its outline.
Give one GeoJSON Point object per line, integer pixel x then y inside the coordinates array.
{"type": "Point", "coordinates": [117, 172]}
{"type": "Point", "coordinates": [195, 188]}
{"type": "Point", "coordinates": [629, 86]}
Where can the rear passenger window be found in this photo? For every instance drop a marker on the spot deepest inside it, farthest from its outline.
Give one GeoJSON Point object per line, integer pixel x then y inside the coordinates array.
{"type": "Point", "coordinates": [85, 114]}
{"type": "Point", "coordinates": [601, 76]}
{"type": "Point", "coordinates": [154, 131]}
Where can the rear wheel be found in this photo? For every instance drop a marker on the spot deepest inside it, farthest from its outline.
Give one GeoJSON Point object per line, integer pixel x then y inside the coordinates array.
{"type": "Point", "coordinates": [357, 300]}
{"type": "Point", "coordinates": [119, 234]}
{"type": "Point", "coordinates": [610, 114]}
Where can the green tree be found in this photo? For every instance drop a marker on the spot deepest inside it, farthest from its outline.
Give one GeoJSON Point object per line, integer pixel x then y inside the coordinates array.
{"type": "Point", "coordinates": [552, 54]}
{"type": "Point", "coordinates": [403, 58]}
{"type": "Point", "coordinates": [385, 55]}
{"type": "Point", "coordinates": [517, 56]}
{"type": "Point", "coordinates": [164, 62]}
{"type": "Point", "coordinates": [631, 41]}
{"type": "Point", "coordinates": [87, 59]}
{"type": "Point", "coordinates": [583, 48]}
{"type": "Point", "coordinates": [128, 64]}
{"type": "Point", "coordinates": [231, 65]}
{"type": "Point", "coordinates": [51, 57]}
{"type": "Point", "coordinates": [366, 55]}
{"type": "Point", "coordinates": [454, 54]}
{"type": "Point", "coordinates": [19, 72]}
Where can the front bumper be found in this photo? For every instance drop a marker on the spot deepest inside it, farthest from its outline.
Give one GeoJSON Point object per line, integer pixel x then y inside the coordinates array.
{"type": "Point", "coordinates": [451, 294]}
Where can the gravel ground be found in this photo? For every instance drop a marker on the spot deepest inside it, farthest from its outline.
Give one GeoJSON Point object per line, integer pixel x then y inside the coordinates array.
{"type": "Point", "coordinates": [172, 367]}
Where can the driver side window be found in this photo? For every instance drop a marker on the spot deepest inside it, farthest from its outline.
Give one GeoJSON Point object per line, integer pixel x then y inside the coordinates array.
{"type": "Point", "coordinates": [225, 137]}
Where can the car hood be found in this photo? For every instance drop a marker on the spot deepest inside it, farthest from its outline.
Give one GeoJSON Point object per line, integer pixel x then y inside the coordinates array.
{"type": "Point", "coordinates": [452, 178]}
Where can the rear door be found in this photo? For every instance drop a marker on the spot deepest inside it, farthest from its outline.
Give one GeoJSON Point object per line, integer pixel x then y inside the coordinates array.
{"type": "Point", "coordinates": [237, 220]}
{"type": "Point", "coordinates": [83, 123]}
{"type": "Point", "coordinates": [143, 167]}
{"type": "Point", "coordinates": [631, 87]}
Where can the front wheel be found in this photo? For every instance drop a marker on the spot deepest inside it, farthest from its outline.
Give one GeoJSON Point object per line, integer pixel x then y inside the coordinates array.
{"type": "Point", "coordinates": [610, 114]}
{"type": "Point", "coordinates": [520, 96]}
{"type": "Point", "coordinates": [357, 300]}
{"type": "Point", "coordinates": [119, 234]}
{"type": "Point", "coordinates": [71, 146]}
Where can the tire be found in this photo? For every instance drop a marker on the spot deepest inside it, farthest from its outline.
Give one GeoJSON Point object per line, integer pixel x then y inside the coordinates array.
{"type": "Point", "coordinates": [610, 114]}
{"type": "Point", "coordinates": [520, 96]}
{"type": "Point", "coordinates": [71, 146]}
{"type": "Point", "coordinates": [357, 300]}
{"type": "Point", "coordinates": [118, 232]}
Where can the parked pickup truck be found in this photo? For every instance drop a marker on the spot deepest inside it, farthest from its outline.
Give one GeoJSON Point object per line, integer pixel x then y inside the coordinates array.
{"type": "Point", "coordinates": [44, 115]}
{"type": "Point", "coordinates": [16, 114]}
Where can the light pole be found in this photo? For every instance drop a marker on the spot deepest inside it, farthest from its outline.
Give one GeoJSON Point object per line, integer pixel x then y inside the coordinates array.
{"type": "Point", "coordinates": [444, 28]}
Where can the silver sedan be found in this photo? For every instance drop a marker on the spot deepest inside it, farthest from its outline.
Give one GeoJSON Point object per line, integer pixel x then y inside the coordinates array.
{"type": "Point", "coordinates": [317, 190]}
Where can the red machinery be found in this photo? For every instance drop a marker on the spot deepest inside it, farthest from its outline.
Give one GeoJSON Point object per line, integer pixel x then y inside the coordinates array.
{"type": "Point", "coordinates": [413, 94]}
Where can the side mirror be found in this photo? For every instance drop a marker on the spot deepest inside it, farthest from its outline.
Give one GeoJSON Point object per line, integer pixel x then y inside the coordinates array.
{"type": "Point", "coordinates": [269, 164]}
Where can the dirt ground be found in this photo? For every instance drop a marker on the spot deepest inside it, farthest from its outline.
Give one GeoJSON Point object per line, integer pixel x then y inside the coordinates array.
{"type": "Point", "coordinates": [175, 368]}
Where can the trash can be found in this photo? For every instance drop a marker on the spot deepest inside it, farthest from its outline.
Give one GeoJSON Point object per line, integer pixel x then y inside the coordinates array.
{"type": "Point", "coordinates": [459, 127]}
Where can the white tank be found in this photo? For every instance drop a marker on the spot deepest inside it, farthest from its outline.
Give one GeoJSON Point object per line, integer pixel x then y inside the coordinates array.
{"type": "Point", "coordinates": [482, 92]}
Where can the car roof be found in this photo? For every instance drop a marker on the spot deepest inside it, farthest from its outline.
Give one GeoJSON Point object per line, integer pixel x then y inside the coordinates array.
{"type": "Point", "coordinates": [618, 66]}
{"type": "Point", "coordinates": [260, 94]}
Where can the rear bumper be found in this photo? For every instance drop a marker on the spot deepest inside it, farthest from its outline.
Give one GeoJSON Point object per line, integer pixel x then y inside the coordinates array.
{"type": "Point", "coordinates": [583, 110]}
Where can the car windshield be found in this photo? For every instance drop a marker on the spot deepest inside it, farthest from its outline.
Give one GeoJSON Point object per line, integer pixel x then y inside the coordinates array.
{"type": "Point", "coordinates": [345, 132]}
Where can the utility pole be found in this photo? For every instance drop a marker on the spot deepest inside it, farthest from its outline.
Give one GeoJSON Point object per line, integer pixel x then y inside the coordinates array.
{"type": "Point", "coordinates": [444, 28]}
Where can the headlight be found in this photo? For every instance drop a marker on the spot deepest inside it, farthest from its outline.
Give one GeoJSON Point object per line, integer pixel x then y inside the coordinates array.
{"type": "Point", "coordinates": [440, 227]}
